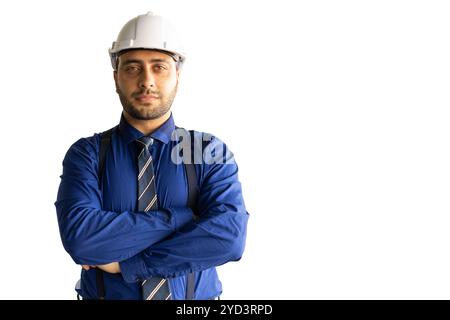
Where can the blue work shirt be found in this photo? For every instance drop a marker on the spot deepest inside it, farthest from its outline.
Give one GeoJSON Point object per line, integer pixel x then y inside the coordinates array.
{"type": "Point", "coordinates": [102, 225]}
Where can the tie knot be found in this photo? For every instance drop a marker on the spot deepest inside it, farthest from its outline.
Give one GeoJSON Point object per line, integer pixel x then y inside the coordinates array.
{"type": "Point", "coordinates": [144, 142]}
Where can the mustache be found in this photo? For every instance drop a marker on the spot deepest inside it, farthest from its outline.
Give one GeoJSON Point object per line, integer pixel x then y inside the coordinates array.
{"type": "Point", "coordinates": [146, 92]}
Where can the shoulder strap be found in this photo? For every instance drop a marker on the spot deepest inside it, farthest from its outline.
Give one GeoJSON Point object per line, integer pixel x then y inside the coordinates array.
{"type": "Point", "coordinates": [105, 143]}
{"type": "Point", "coordinates": [191, 175]}
{"type": "Point", "coordinates": [100, 283]}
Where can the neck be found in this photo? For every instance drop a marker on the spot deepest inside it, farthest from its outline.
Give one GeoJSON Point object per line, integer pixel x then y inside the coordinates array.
{"type": "Point", "coordinates": [146, 126]}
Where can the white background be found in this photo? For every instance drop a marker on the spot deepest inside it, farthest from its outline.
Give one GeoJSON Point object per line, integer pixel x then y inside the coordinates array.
{"type": "Point", "coordinates": [337, 112]}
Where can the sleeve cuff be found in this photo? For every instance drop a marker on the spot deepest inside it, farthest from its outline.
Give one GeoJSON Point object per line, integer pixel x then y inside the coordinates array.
{"type": "Point", "coordinates": [132, 269]}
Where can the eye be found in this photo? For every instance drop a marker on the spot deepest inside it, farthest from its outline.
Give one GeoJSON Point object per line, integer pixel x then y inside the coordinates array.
{"type": "Point", "coordinates": [160, 67]}
{"type": "Point", "coordinates": [132, 69]}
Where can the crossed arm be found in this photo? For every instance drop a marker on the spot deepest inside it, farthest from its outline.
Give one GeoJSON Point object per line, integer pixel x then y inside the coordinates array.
{"type": "Point", "coordinates": [164, 242]}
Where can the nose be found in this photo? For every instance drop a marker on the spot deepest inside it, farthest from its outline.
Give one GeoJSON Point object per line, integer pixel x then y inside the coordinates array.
{"type": "Point", "coordinates": [147, 79]}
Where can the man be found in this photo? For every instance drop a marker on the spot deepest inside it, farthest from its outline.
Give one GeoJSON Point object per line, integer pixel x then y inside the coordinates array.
{"type": "Point", "coordinates": [123, 213]}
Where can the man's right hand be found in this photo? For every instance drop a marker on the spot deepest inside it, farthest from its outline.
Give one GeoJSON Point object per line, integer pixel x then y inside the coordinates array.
{"type": "Point", "coordinates": [87, 267]}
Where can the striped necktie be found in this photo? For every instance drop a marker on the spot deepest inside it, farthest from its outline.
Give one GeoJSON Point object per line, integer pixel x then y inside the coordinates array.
{"type": "Point", "coordinates": [154, 288]}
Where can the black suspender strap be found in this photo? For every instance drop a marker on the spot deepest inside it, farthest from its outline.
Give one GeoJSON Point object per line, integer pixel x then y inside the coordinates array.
{"type": "Point", "coordinates": [192, 178]}
{"type": "Point", "coordinates": [192, 203]}
{"type": "Point", "coordinates": [190, 287]}
{"type": "Point", "coordinates": [105, 142]}
{"type": "Point", "coordinates": [191, 175]}
{"type": "Point", "coordinates": [100, 284]}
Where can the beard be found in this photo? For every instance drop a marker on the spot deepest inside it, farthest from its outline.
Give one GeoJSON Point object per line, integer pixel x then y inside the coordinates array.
{"type": "Point", "coordinates": [148, 111]}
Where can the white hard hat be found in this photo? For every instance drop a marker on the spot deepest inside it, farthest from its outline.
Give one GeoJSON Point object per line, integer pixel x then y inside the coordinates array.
{"type": "Point", "coordinates": [148, 31]}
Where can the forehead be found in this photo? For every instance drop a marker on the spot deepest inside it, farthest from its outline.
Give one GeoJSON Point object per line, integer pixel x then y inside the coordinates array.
{"type": "Point", "coordinates": [145, 56]}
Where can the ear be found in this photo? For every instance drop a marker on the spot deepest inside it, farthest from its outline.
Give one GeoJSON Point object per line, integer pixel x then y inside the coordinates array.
{"type": "Point", "coordinates": [115, 78]}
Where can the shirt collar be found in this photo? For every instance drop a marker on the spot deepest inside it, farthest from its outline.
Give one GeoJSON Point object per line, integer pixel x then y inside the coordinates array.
{"type": "Point", "coordinates": [163, 133]}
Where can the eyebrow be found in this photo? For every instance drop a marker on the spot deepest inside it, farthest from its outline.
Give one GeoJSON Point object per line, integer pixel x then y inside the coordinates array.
{"type": "Point", "coordinates": [128, 61]}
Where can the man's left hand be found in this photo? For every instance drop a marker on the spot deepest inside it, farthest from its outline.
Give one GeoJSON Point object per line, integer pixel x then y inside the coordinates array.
{"type": "Point", "coordinates": [112, 267]}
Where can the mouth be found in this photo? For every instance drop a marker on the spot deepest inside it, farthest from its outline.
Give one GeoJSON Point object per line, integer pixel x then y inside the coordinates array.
{"type": "Point", "coordinates": [145, 98]}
